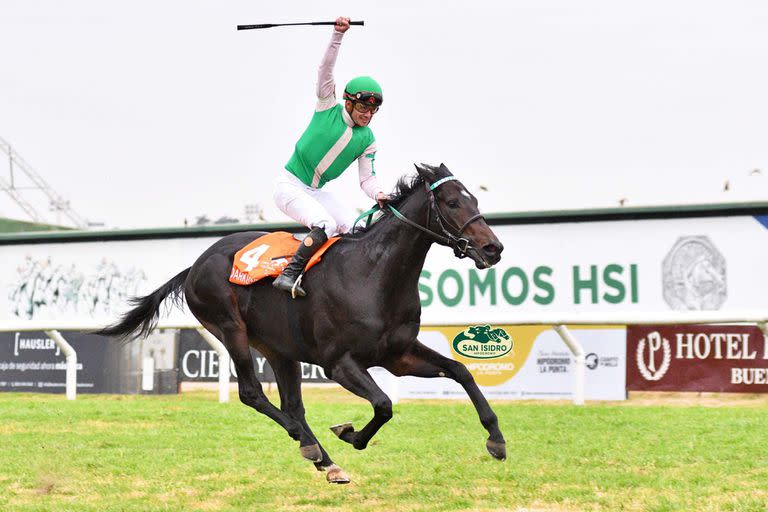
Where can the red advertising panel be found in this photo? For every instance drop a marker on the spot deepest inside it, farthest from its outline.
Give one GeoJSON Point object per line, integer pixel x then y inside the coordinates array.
{"type": "Point", "coordinates": [697, 358]}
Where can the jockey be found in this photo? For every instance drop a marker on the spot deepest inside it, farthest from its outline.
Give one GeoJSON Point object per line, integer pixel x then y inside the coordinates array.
{"type": "Point", "coordinates": [336, 136]}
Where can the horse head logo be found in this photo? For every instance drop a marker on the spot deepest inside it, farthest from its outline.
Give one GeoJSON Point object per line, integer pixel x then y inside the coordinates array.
{"type": "Point", "coordinates": [694, 275]}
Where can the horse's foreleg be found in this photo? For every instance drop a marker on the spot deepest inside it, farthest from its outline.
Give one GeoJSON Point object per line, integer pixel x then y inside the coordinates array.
{"type": "Point", "coordinates": [288, 377]}
{"type": "Point", "coordinates": [356, 379]}
{"type": "Point", "coordinates": [421, 361]}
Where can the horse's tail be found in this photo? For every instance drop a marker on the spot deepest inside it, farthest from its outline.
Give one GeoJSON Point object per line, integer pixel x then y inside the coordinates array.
{"type": "Point", "coordinates": [140, 320]}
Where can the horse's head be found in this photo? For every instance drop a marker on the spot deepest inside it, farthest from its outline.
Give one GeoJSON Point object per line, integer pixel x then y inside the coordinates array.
{"type": "Point", "coordinates": [478, 329]}
{"type": "Point", "coordinates": [480, 333]}
{"type": "Point", "coordinates": [454, 213]}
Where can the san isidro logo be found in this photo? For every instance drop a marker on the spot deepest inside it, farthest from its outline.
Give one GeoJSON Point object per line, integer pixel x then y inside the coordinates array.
{"type": "Point", "coordinates": [483, 342]}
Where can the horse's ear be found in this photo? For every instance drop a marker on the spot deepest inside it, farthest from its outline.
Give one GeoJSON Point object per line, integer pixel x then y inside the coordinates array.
{"type": "Point", "coordinates": [445, 170]}
{"type": "Point", "coordinates": [426, 171]}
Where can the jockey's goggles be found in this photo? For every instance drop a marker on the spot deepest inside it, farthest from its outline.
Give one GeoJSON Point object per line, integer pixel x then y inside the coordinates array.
{"type": "Point", "coordinates": [362, 107]}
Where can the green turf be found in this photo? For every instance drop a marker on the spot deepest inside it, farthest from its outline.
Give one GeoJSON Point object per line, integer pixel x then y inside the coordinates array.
{"type": "Point", "coordinates": [188, 452]}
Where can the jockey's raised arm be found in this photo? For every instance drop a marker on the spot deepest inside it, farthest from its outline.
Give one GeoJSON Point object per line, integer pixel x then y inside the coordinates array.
{"type": "Point", "coordinates": [326, 98]}
{"type": "Point", "coordinates": [326, 85]}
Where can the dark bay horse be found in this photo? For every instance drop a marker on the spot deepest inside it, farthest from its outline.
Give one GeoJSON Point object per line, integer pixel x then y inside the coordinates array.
{"type": "Point", "coordinates": [362, 310]}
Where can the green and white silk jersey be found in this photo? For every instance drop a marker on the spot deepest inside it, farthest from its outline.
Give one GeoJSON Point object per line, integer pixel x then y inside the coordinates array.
{"type": "Point", "coordinates": [328, 146]}
{"type": "Point", "coordinates": [332, 141]}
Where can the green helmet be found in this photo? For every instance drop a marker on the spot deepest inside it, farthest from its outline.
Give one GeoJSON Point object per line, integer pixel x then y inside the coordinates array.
{"type": "Point", "coordinates": [364, 89]}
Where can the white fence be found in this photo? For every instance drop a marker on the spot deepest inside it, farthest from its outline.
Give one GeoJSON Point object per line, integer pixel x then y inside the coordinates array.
{"type": "Point", "coordinates": [557, 321]}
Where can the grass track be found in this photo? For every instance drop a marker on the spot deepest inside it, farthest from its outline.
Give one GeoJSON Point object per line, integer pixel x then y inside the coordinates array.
{"type": "Point", "coordinates": [188, 452]}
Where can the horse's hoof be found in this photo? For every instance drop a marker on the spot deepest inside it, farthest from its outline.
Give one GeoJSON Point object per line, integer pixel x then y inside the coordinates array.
{"type": "Point", "coordinates": [311, 452]}
{"type": "Point", "coordinates": [336, 475]}
{"type": "Point", "coordinates": [342, 429]}
{"type": "Point", "coordinates": [496, 449]}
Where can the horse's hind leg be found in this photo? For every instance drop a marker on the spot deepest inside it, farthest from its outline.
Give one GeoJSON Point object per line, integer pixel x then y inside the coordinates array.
{"type": "Point", "coordinates": [288, 377]}
{"type": "Point", "coordinates": [421, 361]}
{"type": "Point", "coordinates": [356, 379]}
{"type": "Point", "coordinates": [251, 393]}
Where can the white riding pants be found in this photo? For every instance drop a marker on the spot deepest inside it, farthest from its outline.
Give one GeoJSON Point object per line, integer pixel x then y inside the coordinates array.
{"type": "Point", "coordinates": [311, 206]}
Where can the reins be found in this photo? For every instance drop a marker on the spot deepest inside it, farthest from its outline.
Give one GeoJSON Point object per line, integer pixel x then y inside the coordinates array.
{"type": "Point", "coordinates": [459, 244]}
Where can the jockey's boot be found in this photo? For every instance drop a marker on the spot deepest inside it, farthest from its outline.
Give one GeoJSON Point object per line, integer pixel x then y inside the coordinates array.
{"type": "Point", "coordinates": [290, 279]}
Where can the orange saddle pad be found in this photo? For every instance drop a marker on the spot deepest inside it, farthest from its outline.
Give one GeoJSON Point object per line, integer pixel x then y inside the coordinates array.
{"type": "Point", "coordinates": [268, 255]}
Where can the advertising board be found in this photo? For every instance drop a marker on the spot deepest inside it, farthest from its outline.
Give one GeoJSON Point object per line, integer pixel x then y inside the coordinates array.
{"type": "Point", "coordinates": [31, 361]}
{"type": "Point", "coordinates": [198, 362]}
{"type": "Point", "coordinates": [523, 362]}
{"type": "Point", "coordinates": [722, 358]}
{"type": "Point", "coordinates": [659, 265]}
{"type": "Point", "coordinates": [710, 263]}
{"type": "Point", "coordinates": [507, 362]}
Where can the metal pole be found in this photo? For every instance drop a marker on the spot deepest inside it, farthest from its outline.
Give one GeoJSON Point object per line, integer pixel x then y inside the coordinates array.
{"type": "Point", "coordinates": [223, 363]}
{"type": "Point", "coordinates": [71, 355]}
{"type": "Point", "coordinates": [580, 369]}
{"type": "Point", "coordinates": [10, 162]}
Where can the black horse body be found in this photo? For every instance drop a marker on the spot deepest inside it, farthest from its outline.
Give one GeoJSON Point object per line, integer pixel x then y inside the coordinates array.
{"type": "Point", "coordinates": [359, 293]}
{"type": "Point", "coordinates": [362, 310]}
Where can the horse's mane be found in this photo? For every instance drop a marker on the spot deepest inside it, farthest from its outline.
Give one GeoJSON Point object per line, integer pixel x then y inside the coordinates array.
{"type": "Point", "coordinates": [405, 186]}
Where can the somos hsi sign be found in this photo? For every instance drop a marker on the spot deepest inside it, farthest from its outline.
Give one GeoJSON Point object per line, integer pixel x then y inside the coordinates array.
{"type": "Point", "coordinates": [712, 263]}
{"type": "Point", "coordinates": [697, 358]}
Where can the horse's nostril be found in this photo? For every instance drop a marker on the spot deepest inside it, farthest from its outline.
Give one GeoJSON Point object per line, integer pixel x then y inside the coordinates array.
{"type": "Point", "coordinates": [493, 249]}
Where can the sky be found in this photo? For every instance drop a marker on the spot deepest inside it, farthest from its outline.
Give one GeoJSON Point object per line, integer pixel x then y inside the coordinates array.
{"type": "Point", "coordinates": [147, 113]}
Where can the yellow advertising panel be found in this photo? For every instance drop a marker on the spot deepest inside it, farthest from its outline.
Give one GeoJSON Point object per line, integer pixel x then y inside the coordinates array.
{"type": "Point", "coordinates": [514, 361]}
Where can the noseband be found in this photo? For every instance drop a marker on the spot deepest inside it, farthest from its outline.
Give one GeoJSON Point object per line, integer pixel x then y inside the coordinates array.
{"type": "Point", "coordinates": [455, 241]}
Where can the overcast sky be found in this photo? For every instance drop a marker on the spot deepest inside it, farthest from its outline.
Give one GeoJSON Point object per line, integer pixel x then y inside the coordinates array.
{"type": "Point", "coordinates": [144, 113]}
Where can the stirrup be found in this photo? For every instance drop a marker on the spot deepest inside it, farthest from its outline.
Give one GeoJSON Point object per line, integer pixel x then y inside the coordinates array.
{"type": "Point", "coordinates": [295, 285]}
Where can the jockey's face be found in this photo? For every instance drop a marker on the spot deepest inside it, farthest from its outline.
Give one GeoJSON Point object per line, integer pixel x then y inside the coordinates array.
{"type": "Point", "coordinates": [359, 118]}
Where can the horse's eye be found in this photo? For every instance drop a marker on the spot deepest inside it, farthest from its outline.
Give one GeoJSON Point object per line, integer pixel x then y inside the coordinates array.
{"type": "Point", "coordinates": [453, 203]}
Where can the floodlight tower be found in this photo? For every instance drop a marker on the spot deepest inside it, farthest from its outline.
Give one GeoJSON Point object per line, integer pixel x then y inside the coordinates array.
{"type": "Point", "coordinates": [57, 202]}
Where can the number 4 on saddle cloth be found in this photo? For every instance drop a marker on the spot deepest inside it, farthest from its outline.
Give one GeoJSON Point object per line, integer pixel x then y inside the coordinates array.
{"type": "Point", "coordinates": [268, 255]}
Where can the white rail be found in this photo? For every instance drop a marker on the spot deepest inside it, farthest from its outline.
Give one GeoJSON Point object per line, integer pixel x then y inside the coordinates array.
{"type": "Point", "coordinates": [71, 356]}
{"type": "Point", "coordinates": [580, 368]}
{"type": "Point", "coordinates": [558, 320]}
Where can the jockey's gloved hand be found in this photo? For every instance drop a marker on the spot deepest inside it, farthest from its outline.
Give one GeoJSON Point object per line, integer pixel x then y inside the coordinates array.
{"type": "Point", "coordinates": [342, 24]}
{"type": "Point", "coordinates": [382, 199]}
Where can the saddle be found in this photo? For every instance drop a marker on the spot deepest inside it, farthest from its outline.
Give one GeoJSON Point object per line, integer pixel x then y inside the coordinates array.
{"type": "Point", "coordinates": [268, 255]}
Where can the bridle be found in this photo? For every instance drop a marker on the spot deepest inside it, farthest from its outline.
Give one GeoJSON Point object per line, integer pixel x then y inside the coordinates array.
{"type": "Point", "coordinates": [455, 241]}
